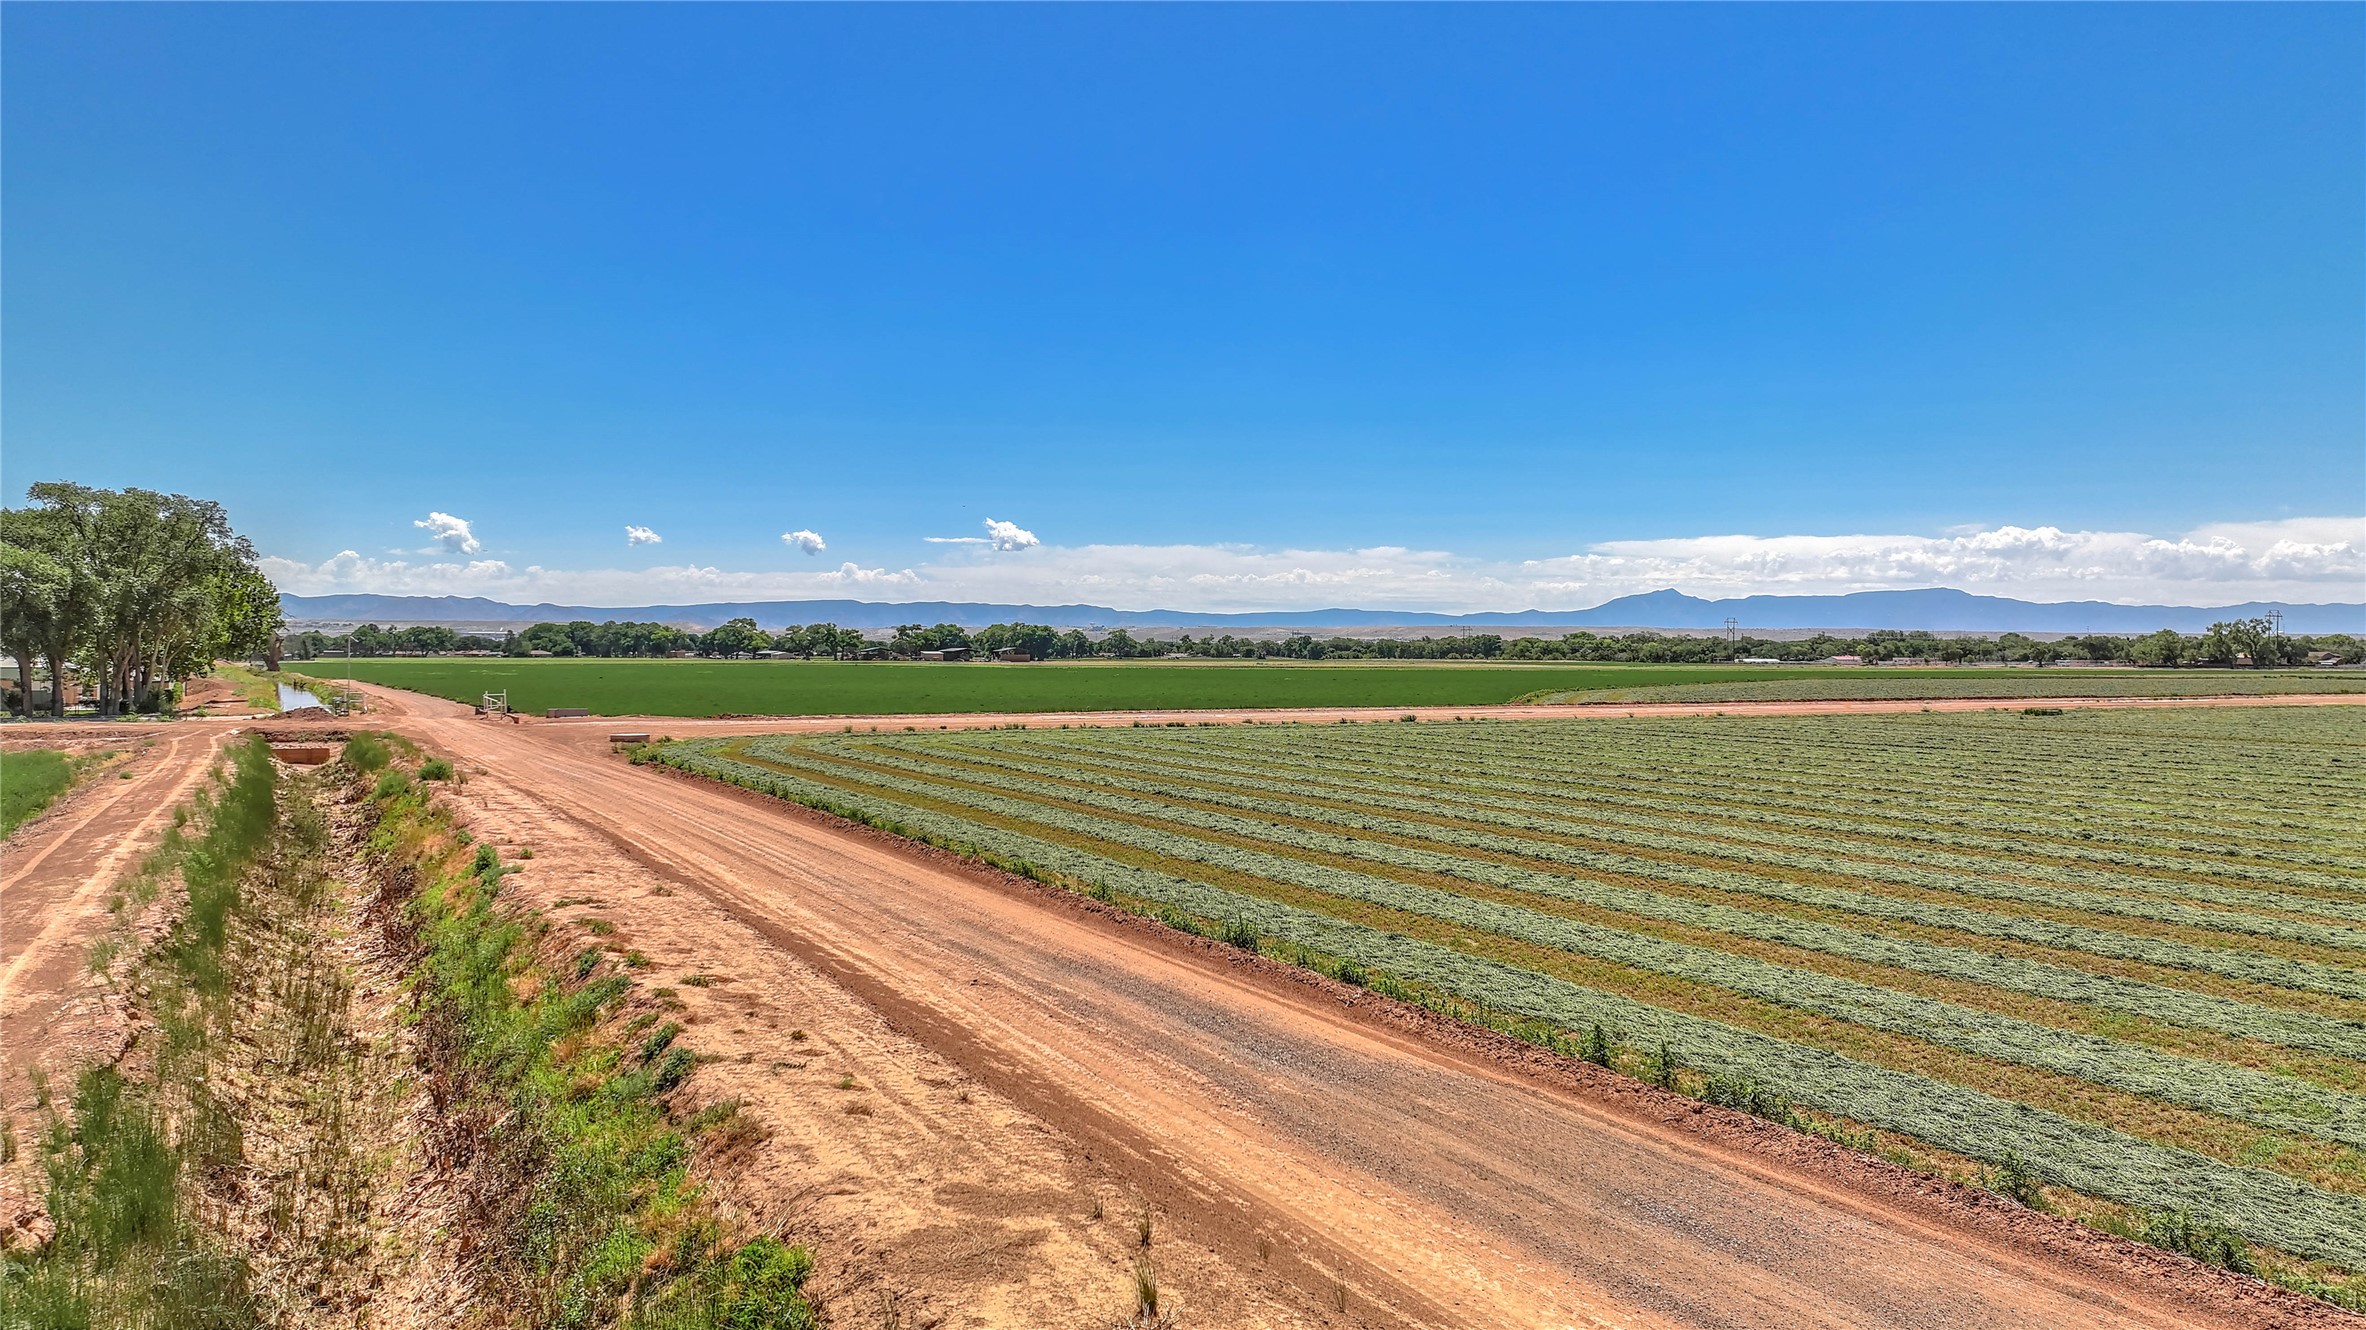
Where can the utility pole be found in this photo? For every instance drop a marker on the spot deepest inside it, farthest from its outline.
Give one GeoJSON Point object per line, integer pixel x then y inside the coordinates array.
{"type": "Point", "coordinates": [1731, 626]}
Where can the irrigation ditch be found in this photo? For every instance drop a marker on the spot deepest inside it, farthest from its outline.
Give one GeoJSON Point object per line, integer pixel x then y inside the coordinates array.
{"type": "Point", "coordinates": [365, 1089]}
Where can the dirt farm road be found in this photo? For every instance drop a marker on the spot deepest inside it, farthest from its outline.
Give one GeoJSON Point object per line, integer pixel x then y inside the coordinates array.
{"type": "Point", "coordinates": [1405, 1179]}
{"type": "Point", "coordinates": [55, 877]}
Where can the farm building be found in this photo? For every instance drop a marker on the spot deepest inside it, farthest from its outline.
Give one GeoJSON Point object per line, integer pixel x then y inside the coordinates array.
{"type": "Point", "coordinates": [12, 695]}
{"type": "Point", "coordinates": [1013, 655]}
{"type": "Point", "coordinates": [949, 653]}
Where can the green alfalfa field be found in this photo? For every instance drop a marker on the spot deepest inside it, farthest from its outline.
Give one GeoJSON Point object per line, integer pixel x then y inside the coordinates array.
{"type": "Point", "coordinates": [885, 688]}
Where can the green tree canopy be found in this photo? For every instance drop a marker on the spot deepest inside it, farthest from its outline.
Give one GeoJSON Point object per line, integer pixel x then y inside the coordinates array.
{"type": "Point", "coordinates": [131, 586]}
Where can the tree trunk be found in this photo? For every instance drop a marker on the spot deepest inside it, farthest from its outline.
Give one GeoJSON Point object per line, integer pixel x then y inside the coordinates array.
{"type": "Point", "coordinates": [24, 680]}
{"type": "Point", "coordinates": [57, 682]}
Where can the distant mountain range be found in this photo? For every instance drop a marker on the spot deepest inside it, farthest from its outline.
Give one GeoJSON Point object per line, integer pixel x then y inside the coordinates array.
{"type": "Point", "coordinates": [1938, 609]}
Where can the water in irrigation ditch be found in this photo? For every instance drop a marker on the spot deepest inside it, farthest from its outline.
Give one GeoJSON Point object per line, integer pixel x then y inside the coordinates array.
{"type": "Point", "coordinates": [292, 699]}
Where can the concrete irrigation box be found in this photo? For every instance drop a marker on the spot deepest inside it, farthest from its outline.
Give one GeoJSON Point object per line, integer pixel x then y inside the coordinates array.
{"type": "Point", "coordinates": [628, 738]}
{"type": "Point", "coordinates": [567, 713]}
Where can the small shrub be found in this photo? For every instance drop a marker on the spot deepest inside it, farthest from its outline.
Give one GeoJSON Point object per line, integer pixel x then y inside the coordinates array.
{"type": "Point", "coordinates": [1663, 1067]}
{"type": "Point", "coordinates": [677, 1067]}
{"type": "Point", "coordinates": [1598, 1046]}
{"type": "Point", "coordinates": [1749, 1096]}
{"type": "Point", "coordinates": [435, 768]}
{"type": "Point", "coordinates": [658, 1042]}
{"type": "Point", "coordinates": [2211, 1243]}
{"type": "Point", "coordinates": [1352, 973]}
{"type": "Point", "coordinates": [2012, 1178]}
{"type": "Point", "coordinates": [390, 784]}
{"type": "Point", "coordinates": [1240, 933]}
{"type": "Point", "coordinates": [364, 753]}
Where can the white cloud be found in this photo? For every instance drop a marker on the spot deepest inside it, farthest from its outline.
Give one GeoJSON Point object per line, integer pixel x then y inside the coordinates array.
{"type": "Point", "coordinates": [641, 535]}
{"type": "Point", "coordinates": [2324, 558]}
{"type": "Point", "coordinates": [450, 534]}
{"type": "Point", "coordinates": [1004, 536]}
{"type": "Point", "coordinates": [808, 541]}
{"type": "Point", "coordinates": [1009, 536]}
{"type": "Point", "coordinates": [2297, 559]}
{"type": "Point", "coordinates": [853, 575]}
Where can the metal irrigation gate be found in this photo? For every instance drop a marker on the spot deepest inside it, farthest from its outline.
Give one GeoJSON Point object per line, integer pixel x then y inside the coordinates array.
{"type": "Point", "coordinates": [496, 704]}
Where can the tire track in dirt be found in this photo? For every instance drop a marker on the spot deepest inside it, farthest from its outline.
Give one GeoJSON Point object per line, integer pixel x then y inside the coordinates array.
{"type": "Point", "coordinates": [56, 873]}
{"type": "Point", "coordinates": [1438, 1187]}
{"type": "Point", "coordinates": [55, 876]}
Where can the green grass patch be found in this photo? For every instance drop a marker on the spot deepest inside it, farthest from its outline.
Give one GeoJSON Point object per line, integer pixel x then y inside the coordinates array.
{"type": "Point", "coordinates": [841, 688]}
{"type": "Point", "coordinates": [30, 780]}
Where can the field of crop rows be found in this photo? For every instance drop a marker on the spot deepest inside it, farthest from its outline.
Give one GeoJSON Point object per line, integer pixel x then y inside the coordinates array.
{"type": "Point", "coordinates": [2129, 947]}
{"type": "Point", "coordinates": [1919, 683]}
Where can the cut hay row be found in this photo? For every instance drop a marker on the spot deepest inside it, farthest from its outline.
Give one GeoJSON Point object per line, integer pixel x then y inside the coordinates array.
{"type": "Point", "coordinates": [2291, 1029]}
{"type": "Point", "coordinates": [2256, 966]}
{"type": "Point", "coordinates": [1954, 797]}
{"type": "Point", "coordinates": [2277, 1102]}
{"type": "Point", "coordinates": [1903, 685]}
{"type": "Point", "coordinates": [1511, 802]}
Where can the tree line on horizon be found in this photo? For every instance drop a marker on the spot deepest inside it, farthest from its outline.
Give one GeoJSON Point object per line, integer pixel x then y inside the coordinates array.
{"type": "Point", "coordinates": [2252, 641]}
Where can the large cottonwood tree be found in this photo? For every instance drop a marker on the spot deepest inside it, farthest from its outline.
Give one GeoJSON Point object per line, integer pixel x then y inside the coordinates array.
{"type": "Point", "coordinates": [133, 586]}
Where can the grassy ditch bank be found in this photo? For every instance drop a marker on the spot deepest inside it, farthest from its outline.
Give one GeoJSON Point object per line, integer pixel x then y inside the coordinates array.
{"type": "Point", "coordinates": [553, 1077]}
{"type": "Point", "coordinates": [334, 1004]}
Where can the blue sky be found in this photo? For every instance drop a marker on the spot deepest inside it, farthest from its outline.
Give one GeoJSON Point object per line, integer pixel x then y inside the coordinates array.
{"type": "Point", "coordinates": [1219, 306]}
